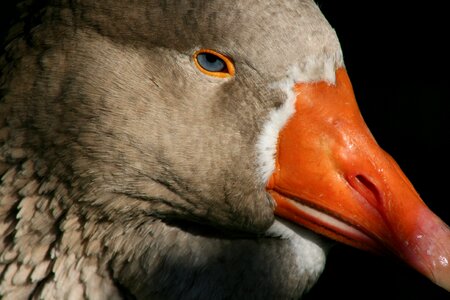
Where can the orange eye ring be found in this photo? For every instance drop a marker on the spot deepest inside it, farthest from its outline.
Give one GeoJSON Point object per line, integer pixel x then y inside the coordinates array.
{"type": "Point", "coordinates": [219, 65]}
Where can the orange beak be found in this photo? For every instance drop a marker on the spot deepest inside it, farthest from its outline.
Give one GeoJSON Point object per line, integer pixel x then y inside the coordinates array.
{"type": "Point", "coordinates": [333, 178]}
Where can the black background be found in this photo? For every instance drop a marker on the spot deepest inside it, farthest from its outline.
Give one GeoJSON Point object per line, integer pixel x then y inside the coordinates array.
{"type": "Point", "coordinates": [398, 62]}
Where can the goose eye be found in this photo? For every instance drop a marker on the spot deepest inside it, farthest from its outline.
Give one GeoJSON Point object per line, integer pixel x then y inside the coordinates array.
{"type": "Point", "coordinates": [213, 63]}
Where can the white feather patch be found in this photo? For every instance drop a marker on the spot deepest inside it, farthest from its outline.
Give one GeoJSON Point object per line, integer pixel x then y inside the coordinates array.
{"type": "Point", "coordinates": [312, 70]}
{"type": "Point", "coordinates": [267, 142]}
{"type": "Point", "coordinates": [310, 250]}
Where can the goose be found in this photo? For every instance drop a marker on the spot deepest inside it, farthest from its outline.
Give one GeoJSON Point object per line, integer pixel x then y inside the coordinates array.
{"type": "Point", "coordinates": [190, 149]}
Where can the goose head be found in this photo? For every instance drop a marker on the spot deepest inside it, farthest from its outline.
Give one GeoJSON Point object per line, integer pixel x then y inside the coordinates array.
{"type": "Point", "coordinates": [180, 149]}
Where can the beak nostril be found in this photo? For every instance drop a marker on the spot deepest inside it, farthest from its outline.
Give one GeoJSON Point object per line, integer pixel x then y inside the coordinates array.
{"type": "Point", "coordinates": [366, 188]}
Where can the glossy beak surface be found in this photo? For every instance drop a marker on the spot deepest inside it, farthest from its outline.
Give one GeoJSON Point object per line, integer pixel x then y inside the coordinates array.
{"type": "Point", "coordinates": [333, 178]}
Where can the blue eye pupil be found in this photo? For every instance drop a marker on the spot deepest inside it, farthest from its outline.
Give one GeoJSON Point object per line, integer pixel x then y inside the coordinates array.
{"type": "Point", "coordinates": [211, 62]}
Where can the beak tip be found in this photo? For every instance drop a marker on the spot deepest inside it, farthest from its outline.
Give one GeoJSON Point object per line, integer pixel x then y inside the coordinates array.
{"type": "Point", "coordinates": [429, 252]}
{"type": "Point", "coordinates": [440, 273]}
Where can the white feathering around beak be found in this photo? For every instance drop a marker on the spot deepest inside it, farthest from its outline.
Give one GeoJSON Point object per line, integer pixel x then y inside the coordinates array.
{"type": "Point", "coordinates": [314, 69]}
{"type": "Point", "coordinates": [310, 249]}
